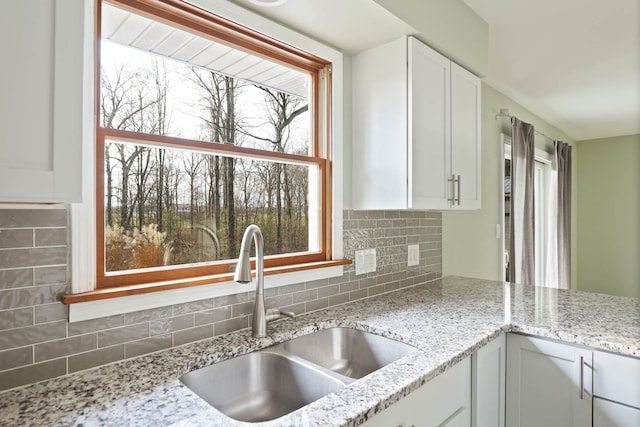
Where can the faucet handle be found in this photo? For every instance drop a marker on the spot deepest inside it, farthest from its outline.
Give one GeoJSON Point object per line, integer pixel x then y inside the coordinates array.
{"type": "Point", "coordinates": [289, 314]}
{"type": "Point", "coordinates": [274, 314]}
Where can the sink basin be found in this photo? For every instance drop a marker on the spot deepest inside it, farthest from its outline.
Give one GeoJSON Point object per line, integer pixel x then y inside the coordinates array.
{"type": "Point", "coordinates": [260, 386]}
{"type": "Point", "coordinates": [273, 382]}
{"type": "Point", "coordinates": [349, 352]}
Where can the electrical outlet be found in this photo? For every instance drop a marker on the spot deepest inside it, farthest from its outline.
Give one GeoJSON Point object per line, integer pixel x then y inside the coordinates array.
{"type": "Point", "coordinates": [365, 261]}
{"type": "Point", "coordinates": [413, 255]}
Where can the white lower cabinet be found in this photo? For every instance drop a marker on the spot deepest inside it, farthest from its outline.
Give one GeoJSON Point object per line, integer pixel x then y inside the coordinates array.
{"type": "Point", "coordinates": [488, 384]}
{"type": "Point", "coordinates": [523, 381]}
{"type": "Point", "coordinates": [612, 414]}
{"type": "Point", "coordinates": [549, 383]}
{"type": "Point", "coordinates": [616, 389]}
{"type": "Point", "coordinates": [444, 401]}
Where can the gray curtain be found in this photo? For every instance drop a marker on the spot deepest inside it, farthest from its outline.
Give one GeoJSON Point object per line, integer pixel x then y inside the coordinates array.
{"type": "Point", "coordinates": [522, 240]}
{"type": "Point", "coordinates": [558, 271]}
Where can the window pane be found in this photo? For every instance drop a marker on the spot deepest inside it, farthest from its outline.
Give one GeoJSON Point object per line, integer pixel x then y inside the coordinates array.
{"type": "Point", "coordinates": [167, 207]}
{"type": "Point", "coordinates": [163, 80]}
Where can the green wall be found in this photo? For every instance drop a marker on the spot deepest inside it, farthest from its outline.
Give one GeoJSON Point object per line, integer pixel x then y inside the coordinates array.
{"type": "Point", "coordinates": [448, 26]}
{"type": "Point", "coordinates": [609, 221]}
{"type": "Point", "coordinates": [469, 243]}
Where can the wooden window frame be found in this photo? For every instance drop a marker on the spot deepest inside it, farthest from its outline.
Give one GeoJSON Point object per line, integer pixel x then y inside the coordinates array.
{"type": "Point", "coordinates": [209, 25]}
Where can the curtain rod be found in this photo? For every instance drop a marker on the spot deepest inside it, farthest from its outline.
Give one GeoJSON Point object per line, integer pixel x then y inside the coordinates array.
{"type": "Point", "coordinates": [504, 112]}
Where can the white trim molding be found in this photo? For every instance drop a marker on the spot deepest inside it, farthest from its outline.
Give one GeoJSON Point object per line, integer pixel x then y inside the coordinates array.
{"type": "Point", "coordinates": [128, 304]}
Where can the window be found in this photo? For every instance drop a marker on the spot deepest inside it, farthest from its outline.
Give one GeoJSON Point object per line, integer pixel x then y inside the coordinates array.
{"type": "Point", "coordinates": [204, 128]}
{"type": "Point", "coordinates": [542, 214]}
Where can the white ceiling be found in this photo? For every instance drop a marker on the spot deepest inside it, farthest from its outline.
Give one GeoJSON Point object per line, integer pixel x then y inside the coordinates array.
{"type": "Point", "coordinates": [349, 25]}
{"type": "Point", "coordinates": [574, 63]}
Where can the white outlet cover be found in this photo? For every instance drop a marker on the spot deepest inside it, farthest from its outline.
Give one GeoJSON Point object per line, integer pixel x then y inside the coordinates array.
{"type": "Point", "coordinates": [413, 255]}
{"type": "Point", "coordinates": [365, 261]}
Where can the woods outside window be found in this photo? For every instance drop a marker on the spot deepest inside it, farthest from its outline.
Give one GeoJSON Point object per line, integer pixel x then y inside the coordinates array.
{"type": "Point", "coordinates": [204, 128]}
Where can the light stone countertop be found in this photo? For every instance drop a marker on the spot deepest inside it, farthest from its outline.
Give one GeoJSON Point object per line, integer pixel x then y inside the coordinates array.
{"type": "Point", "coordinates": [446, 319]}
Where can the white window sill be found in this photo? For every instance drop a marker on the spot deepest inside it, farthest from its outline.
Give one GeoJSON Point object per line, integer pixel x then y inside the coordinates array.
{"type": "Point", "coordinates": [131, 303]}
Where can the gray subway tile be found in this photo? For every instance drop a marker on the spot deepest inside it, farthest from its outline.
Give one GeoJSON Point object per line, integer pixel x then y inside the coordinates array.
{"type": "Point", "coordinates": [328, 291]}
{"type": "Point", "coordinates": [16, 238]}
{"type": "Point", "coordinates": [316, 304]}
{"type": "Point", "coordinates": [123, 334]}
{"type": "Point", "coordinates": [51, 312]}
{"type": "Point", "coordinates": [50, 275]}
{"type": "Point", "coordinates": [36, 295]}
{"type": "Point", "coordinates": [51, 237]}
{"type": "Point", "coordinates": [289, 289]}
{"type": "Point", "coordinates": [22, 218]}
{"type": "Point", "coordinates": [279, 301]}
{"type": "Point", "coordinates": [16, 357]}
{"type": "Point", "coordinates": [91, 359]}
{"type": "Point", "coordinates": [231, 325]}
{"type": "Point", "coordinates": [231, 299]}
{"type": "Point", "coordinates": [13, 258]}
{"type": "Point", "coordinates": [316, 283]}
{"type": "Point", "coordinates": [16, 318]}
{"type": "Point", "coordinates": [147, 345]}
{"type": "Point", "coordinates": [64, 347]}
{"type": "Point", "coordinates": [356, 295]}
{"type": "Point", "coordinates": [211, 316]}
{"type": "Point", "coordinates": [242, 309]}
{"type": "Point", "coordinates": [349, 286]}
{"type": "Point", "coordinates": [93, 325]}
{"type": "Point", "coordinates": [338, 299]}
{"type": "Point", "coordinates": [147, 315]}
{"type": "Point", "coordinates": [32, 374]}
{"type": "Point", "coordinates": [19, 337]}
{"type": "Point", "coordinates": [305, 296]}
{"type": "Point", "coordinates": [375, 290]}
{"type": "Point", "coordinates": [171, 324]}
{"type": "Point", "coordinates": [190, 307]}
{"type": "Point", "coordinates": [16, 278]}
{"type": "Point", "coordinates": [193, 334]}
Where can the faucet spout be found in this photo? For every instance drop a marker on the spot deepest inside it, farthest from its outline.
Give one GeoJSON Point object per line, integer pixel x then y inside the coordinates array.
{"type": "Point", "coordinates": [243, 275]}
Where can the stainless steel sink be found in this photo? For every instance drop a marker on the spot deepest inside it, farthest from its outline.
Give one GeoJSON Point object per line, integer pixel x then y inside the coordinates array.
{"type": "Point", "coordinates": [260, 386]}
{"type": "Point", "coordinates": [347, 351]}
{"type": "Point", "coordinates": [273, 382]}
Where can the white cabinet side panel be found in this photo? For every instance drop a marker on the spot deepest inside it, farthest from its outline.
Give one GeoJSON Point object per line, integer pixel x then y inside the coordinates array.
{"type": "Point", "coordinates": [379, 145]}
{"type": "Point", "coordinates": [488, 384]}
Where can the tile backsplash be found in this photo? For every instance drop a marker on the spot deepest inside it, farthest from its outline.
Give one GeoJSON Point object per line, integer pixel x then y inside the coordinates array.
{"type": "Point", "coordinates": [37, 342]}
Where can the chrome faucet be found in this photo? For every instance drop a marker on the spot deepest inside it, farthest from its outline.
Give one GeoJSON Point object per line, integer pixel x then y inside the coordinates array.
{"type": "Point", "coordinates": [243, 275]}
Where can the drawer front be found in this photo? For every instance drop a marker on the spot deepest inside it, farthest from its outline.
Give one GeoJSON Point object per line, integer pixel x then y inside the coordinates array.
{"type": "Point", "coordinates": [616, 378]}
{"type": "Point", "coordinates": [611, 414]}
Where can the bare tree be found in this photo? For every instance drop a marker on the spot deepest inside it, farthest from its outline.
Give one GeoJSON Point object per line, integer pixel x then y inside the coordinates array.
{"type": "Point", "coordinates": [283, 109]}
{"type": "Point", "coordinates": [219, 104]}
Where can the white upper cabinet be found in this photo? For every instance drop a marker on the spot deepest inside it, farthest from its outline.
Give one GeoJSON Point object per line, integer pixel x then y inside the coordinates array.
{"type": "Point", "coordinates": [41, 113]}
{"type": "Point", "coordinates": [416, 130]}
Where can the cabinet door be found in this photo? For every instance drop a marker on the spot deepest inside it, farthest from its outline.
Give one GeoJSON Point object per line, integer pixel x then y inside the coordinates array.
{"type": "Point", "coordinates": [611, 414]}
{"type": "Point", "coordinates": [41, 112]}
{"type": "Point", "coordinates": [444, 401]}
{"type": "Point", "coordinates": [429, 130]}
{"type": "Point", "coordinates": [611, 378]}
{"type": "Point", "coordinates": [548, 383]}
{"type": "Point", "coordinates": [465, 137]}
{"type": "Point", "coordinates": [488, 384]}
